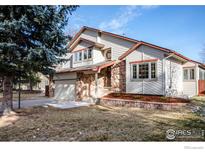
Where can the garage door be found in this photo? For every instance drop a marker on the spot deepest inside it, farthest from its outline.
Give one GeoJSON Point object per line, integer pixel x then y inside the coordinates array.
{"type": "Point", "coordinates": [65, 90]}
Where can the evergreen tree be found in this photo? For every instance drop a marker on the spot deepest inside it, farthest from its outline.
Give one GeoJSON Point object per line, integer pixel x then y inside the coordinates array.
{"type": "Point", "coordinates": [32, 39]}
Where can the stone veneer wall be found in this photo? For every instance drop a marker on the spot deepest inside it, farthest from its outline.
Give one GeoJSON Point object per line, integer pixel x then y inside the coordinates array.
{"type": "Point", "coordinates": [118, 77]}
{"type": "Point", "coordinates": [85, 85]}
{"type": "Point", "coordinates": [141, 104]}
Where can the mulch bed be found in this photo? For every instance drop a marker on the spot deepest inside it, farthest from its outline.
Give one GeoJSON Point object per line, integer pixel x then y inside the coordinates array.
{"type": "Point", "coordinates": [148, 98]}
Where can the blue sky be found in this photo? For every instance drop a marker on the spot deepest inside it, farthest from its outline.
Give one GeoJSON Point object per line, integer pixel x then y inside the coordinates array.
{"type": "Point", "coordinates": [180, 28]}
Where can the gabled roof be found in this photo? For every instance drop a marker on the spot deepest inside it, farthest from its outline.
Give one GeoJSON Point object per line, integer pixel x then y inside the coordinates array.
{"type": "Point", "coordinates": [100, 31]}
{"type": "Point", "coordinates": [135, 46]}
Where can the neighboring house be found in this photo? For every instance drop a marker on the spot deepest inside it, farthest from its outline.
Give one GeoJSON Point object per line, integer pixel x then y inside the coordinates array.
{"type": "Point", "coordinates": [39, 86]}
{"type": "Point", "coordinates": [103, 62]}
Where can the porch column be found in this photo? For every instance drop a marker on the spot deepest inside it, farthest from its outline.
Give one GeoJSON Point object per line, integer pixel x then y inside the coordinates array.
{"type": "Point", "coordinates": [96, 87]}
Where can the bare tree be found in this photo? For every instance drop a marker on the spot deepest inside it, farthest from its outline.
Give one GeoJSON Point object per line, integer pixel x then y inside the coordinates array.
{"type": "Point", "coordinates": [202, 54]}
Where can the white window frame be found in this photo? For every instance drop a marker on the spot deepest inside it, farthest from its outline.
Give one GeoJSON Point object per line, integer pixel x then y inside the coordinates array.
{"type": "Point", "coordinates": [85, 52]}
{"type": "Point", "coordinates": [189, 75]}
{"type": "Point", "coordinates": [77, 55]}
{"type": "Point", "coordinates": [90, 49]}
{"type": "Point", "coordinates": [149, 71]}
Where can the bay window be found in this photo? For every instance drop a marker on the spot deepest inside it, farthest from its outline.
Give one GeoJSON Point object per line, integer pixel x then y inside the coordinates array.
{"type": "Point", "coordinates": [146, 70]}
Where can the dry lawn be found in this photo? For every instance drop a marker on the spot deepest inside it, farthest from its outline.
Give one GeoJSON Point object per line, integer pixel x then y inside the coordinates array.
{"type": "Point", "coordinates": [96, 123]}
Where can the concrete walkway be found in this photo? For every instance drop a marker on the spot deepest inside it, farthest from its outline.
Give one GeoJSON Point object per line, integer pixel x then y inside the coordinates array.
{"type": "Point", "coordinates": [49, 102]}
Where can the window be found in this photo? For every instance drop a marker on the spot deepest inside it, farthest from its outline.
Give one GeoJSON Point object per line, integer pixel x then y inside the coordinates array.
{"type": "Point", "coordinates": [82, 55]}
{"type": "Point", "coordinates": [89, 53]}
{"type": "Point", "coordinates": [76, 56]}
{"type": "Point", "coordinates": [153, 70]}
{"type": "Point", "coordinates": [134, 72]}
{"type": "Point", "coordinates": [189, 74]}
{"type": "Point", "coordinates": [85, 54]}
{"type": "Point", "coordinates": [186, 74]}
{"type": "Point", "coordinates": [79, 56]}
{"type": "Point", "coordinates": [144, 70]}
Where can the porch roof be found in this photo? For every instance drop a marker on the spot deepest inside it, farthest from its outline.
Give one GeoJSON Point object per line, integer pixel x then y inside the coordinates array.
{"type": "Point", "coordinates": [95, 67]}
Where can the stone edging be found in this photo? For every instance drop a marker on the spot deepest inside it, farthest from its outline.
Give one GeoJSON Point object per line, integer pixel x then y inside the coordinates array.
{"type": "Point", "coordinates": [141, 104]}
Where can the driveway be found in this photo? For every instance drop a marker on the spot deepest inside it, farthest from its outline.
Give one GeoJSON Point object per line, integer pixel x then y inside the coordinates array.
{"type": "Point", "coordinates": [49, 102]}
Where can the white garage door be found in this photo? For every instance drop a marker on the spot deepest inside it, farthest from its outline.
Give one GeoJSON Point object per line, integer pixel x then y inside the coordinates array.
{"type": "Point", "coordinates": [65, 90]}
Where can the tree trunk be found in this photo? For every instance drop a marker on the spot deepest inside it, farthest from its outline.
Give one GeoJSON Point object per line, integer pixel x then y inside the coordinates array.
{"type": "Point", "coordinates": [7, 94]}
{"type": "Point", "coordinates": [31, 85]}
{"type": "Point", "coordinates": [51, 90]}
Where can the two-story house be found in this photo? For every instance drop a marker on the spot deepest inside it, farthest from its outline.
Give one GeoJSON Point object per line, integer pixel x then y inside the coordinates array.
{"type": "Point", "coordinates": [101, 62]}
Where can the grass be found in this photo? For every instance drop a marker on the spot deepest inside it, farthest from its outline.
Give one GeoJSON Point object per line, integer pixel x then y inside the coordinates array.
{"type": "Point", "coordinates": [97, 123]}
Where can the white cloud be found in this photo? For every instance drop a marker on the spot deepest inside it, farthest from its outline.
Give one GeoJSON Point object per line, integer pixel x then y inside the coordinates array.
{"type": "Point", "coordinates": [149, 6]}
{"type": "Point", "coordinates": [127, 13]}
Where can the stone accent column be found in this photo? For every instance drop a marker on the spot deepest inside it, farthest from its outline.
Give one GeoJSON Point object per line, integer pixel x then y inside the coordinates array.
{"type": "Point", "coordinates": [118, 77]}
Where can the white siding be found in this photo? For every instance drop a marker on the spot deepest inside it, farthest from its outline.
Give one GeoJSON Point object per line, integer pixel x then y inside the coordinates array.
{"type": "Point", "coordinates": [118, 46]}
{"type": "Point", "coordinates": [174, 76]}
{"type": "Point", "coordinates": [98, 56]}
{"type": "Point", "coordinates": [145, 86]}
{"type": "Point", "coordinates": [190, 87]}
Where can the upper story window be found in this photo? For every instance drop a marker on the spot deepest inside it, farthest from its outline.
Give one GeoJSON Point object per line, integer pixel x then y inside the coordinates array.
{"type": "Point", "coordinates": [85, 54]}
{"type": "Point", "coordinates": [146, 70]}
{"type": "Point", "coordinates": [80, 56]}
{"type": "Point", "coordinates": [90, 53]}
{"type": "Point", "coordinates": [189, 73]}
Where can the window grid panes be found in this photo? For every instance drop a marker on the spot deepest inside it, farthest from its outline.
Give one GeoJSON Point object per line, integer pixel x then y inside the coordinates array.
{"type": "Point", "coordinates": [134, 72]}
{"type": "Point", "coordinates": [185, 74]}
{"type": "Point", "coordinates": [153, 70]}
{"type": "Point", "coordinates": [192, 74]}
{"type": "Point", "coordinates": [189, 74]}
{"type": "Point", "coordinates": [144, 71]}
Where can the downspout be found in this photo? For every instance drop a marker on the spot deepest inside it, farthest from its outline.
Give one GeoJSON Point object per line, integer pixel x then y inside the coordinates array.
{"type": "Point", "coordinates": [197, 78]}
{"type": "Point", "coordinates": [138, 70]}
{"type": "Point", "coordinates": [96, 87]}
{"type": "Point", "coordinates": [164, 72]}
